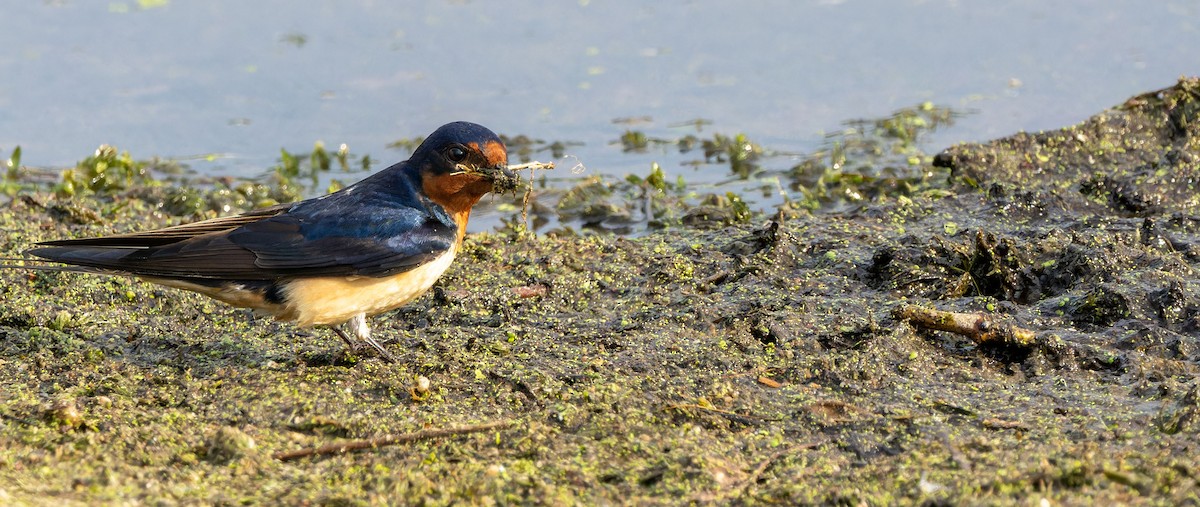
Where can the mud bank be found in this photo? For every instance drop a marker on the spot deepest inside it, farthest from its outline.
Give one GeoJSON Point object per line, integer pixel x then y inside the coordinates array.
{"type": "Point", "coordinates": [764, 362]}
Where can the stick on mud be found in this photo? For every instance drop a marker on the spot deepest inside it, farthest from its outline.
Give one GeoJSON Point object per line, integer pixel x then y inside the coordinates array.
{"type": "Point", "coordinates": [976, 326]}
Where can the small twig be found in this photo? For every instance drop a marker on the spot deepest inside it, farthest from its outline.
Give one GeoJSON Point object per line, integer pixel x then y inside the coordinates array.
{"type": "Point", "coordinates": [466, 169]}
{"type": "Point", "coordinates": [992, 423]}
{"type": "Point", "coordinates": [976, 326]}
{"type": "Point", "coordinates": [525, 201]}
{"type": "Point", "coordinates": [373, 443]}
{"type": "Point", "coordinates": [531, 166]}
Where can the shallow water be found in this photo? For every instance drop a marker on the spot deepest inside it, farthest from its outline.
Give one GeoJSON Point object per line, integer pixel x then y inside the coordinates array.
{"type": "Point", "coordinates": [242, 79]}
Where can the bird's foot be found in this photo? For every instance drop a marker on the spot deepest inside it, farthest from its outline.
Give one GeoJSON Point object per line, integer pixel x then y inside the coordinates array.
{"type": "Point", "coordinates": [363, 334]}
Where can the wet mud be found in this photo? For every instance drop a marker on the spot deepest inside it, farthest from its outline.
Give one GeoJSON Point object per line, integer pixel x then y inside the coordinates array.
{"type": "Point", "coordinates": [772, 360]}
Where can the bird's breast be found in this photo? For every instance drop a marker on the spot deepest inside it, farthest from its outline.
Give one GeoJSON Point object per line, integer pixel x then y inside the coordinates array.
{"type": "Point", "coordinates": [333, 300]}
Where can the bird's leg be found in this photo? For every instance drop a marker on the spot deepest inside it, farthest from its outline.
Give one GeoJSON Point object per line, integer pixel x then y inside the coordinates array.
{"type": "Point", "coordinates": [358, 324]}
{"type": "Point", "coordinates": [337, 329]}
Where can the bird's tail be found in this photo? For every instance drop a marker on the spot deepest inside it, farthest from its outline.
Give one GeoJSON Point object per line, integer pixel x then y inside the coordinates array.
{"type": "Point", "coordinates": [34, 264]}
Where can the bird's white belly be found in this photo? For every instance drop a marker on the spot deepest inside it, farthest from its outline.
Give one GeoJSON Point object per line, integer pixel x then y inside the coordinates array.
{"type": "Point", "coordinates": [333, 300]}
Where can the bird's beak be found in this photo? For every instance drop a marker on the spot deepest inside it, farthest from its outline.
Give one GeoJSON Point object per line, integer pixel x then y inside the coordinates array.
{"type": "Point", "coordinates": [503, 180]}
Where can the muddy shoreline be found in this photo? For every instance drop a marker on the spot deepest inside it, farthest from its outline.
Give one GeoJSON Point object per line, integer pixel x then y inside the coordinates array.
{"type": "Point", "coordinates": [764, 361]}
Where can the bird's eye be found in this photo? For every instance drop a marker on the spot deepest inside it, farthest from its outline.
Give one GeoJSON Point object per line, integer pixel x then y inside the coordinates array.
{"type": "Point", "coordinates": [456, 154]}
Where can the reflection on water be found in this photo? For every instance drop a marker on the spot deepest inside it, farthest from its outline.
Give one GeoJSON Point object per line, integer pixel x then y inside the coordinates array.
{"type": "Point", "coordinates": [243, 79]}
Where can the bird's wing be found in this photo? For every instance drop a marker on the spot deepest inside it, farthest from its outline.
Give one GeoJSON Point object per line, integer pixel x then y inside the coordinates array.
{"type": "Point", "coordinates": [168, 235]}
{"type": "Point", "coordinates": [368, 241]}
{"type": "Point", "coordinates": [362, 241]}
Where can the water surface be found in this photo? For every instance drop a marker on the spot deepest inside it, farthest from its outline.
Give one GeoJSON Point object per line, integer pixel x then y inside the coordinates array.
{"type": "Point", "coordinates": [244, 79]}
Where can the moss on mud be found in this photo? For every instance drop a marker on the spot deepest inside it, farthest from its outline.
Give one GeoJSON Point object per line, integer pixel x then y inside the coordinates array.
{"type": "Point", "coordinates": [749, 363]}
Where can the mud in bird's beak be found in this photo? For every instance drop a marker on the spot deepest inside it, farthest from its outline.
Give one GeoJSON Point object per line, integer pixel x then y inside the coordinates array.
{"type": "Point", "coordinates": [503, 180]}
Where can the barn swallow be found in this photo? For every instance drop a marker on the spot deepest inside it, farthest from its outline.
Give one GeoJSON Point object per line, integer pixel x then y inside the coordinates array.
{"type": "Point", "coordinates": [339, 258]}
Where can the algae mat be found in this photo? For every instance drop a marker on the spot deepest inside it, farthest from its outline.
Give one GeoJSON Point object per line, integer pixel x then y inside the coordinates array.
{"type": "Point", "coordinates": [767, 363]}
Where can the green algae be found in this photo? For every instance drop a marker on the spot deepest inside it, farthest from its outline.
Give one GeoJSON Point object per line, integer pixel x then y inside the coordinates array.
{"type": "Point", "coordinates": [867, 161]}
{"type": "Point", "coordinates": [745, 359]}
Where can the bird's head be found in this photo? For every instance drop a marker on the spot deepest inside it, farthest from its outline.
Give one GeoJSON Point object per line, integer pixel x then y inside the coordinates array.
{"type": "Point", "coordinates": [459, 163]}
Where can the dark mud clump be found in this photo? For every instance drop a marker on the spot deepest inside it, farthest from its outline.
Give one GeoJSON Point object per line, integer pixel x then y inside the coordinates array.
{"type": "Point", "coordinates": [764, 362]}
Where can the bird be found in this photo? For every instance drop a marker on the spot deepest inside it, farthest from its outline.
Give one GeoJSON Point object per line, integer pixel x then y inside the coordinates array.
{"type": "Point", "coordinates": [332, 260]}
